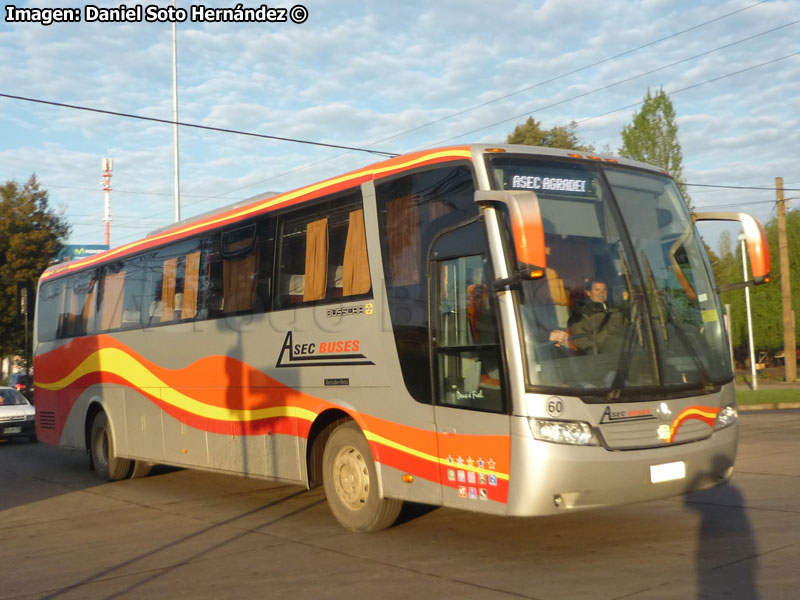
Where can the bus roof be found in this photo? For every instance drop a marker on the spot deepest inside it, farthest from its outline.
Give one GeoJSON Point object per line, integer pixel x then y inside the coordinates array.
{"type": "Point", "coordinates": [264, 203]}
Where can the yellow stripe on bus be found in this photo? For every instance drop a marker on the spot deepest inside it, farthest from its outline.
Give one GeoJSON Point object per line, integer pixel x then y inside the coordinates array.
{"type": "Point", "coordinates": [429, 457]}
{"type": "Point", "coordinates": [120, 363]}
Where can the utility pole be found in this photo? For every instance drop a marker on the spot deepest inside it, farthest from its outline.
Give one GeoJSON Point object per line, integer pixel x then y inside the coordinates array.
{"type": "Point", "coordinates": [789, 342]}
{"type": "Point", "coordinates": [108, 165]}
{"type": "Point", "coordinates": [175, 162]}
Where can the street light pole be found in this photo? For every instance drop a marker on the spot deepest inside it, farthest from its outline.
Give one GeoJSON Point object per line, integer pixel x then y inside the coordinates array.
{"type": "Point", "coordinates": [177, 187]}
{"type": "Point", "coordinates": [742, 239]}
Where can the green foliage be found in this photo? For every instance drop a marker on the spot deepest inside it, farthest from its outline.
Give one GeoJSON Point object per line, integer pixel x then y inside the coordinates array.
{"type": "Point", "coordinates": [765, 300]}
{"type": "Point", "coordinates": [31, 235]}
{"type": "Point", "coordinates": [767, 396]}
{"type": "Point", "coordinates": [531, 133]}
{"type": "Point", "coordinates": [652, 137]}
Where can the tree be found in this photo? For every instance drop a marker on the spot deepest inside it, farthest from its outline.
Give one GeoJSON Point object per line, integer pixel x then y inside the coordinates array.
{"type": "Point", "coordinates": [652, 137]}
{"type": "Point", "coordinates": [531, 133]}
{"type": "Point", "coordinates": [31, 235]}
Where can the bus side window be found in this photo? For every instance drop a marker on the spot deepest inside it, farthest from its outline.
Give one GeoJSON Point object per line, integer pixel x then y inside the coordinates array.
{"type": "Point", "coordinates": [412, 209]}
{"type": "Point", "coordinates": [112, 291]}
{"type": "Point", "coordinates": [265, 248]}
{"type": "Point", "coordinates": [239, 269]}
{"type": "Point", "coordinates": [323, 253]}
{"type": "Point", "coordinates": [232, 273]}
{"type": "Point", "coordinates": [78, 310]}
{"type": "Point", "coordinates": [172, 284]}
{"type": "Point", "coordinates": [51, 301]}
{"type": "Point", "coordinates": [132, 293]}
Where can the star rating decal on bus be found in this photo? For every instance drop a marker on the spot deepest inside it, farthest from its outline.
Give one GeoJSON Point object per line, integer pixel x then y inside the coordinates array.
{"type": "Point", "coordinates": [471, 484]}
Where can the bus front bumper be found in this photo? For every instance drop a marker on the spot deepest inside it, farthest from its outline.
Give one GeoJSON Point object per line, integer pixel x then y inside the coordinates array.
{"type": "Point", "coordinates": [553, 478]}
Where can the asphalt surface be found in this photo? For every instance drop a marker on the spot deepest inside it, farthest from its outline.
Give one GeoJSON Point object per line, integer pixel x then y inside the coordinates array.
{"type": "Point", "coordinates": [188, 534]}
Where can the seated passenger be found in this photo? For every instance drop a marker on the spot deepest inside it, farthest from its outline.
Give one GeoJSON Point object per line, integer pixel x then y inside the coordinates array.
{"type": "Point", "coordinates": [599, 327]}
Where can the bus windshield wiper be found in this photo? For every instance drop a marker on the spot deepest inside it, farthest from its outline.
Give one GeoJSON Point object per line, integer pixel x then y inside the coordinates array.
{"type": "Point", "coordinates": [667, 315]}
{"type": "Point", "coordinates": [629, 347]}
{"type": "Point", "coordinates": [651, 281]}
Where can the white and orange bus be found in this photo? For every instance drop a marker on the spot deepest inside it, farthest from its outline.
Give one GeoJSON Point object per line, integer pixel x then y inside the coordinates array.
{"type": "Point", "coordinates": [406, 332]}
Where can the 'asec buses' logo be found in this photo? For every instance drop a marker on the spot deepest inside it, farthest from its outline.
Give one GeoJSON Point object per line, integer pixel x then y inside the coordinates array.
{"type": "Point", "coordinates": [320, 354]}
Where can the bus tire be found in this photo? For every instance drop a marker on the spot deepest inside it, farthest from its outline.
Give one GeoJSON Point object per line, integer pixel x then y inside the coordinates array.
{"type": "Point", "coordinates": [141, 468]}
{"type": "Point", "coordinates": [107, 466]}
{"type": "Point", "coordinates": [351, 482]}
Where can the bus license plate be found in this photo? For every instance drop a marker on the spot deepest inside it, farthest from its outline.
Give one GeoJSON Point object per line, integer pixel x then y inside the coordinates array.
{"type": "Point", "coordinates": [10, 430]}
{"type": "Point", "coordinates": [667, 472]}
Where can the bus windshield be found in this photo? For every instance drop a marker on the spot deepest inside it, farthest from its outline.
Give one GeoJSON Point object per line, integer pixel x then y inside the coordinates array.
{"type": "Point", "coordinates": [627, 301]}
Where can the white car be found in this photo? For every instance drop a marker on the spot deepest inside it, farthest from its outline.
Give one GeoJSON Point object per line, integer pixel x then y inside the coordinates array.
{"type": "Point", "coordinates": [17, 415]}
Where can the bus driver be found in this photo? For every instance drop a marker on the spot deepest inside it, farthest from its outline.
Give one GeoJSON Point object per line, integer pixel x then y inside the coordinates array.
{"type": "Point", "coordinates": [599, 327]}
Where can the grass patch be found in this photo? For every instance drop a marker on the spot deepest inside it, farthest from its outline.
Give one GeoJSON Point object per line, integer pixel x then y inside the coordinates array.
{"type": "Point", "coordinates": [767, 396]}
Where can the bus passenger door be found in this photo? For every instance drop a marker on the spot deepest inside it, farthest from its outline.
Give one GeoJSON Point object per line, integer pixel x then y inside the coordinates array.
{"type": "Point", "coordinates": [470, 404]}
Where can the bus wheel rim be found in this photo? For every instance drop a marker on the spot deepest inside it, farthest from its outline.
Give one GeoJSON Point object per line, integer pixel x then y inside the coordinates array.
{"type": "Point", "coordinates": [351, 478]}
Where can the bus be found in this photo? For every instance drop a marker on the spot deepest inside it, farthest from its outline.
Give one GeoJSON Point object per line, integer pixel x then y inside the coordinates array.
{"type": "Point", "coordinates": [405, 333]}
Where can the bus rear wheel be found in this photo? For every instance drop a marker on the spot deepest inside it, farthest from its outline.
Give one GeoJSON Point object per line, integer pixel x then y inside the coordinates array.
{"type": "Point", "coordinates": [351, 482]}
{"type": "Point", "coordinates": [107, 466]}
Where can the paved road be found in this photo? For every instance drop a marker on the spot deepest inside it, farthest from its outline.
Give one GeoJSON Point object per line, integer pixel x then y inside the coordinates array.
{"type": "Point", "coordinates": [186, 534]}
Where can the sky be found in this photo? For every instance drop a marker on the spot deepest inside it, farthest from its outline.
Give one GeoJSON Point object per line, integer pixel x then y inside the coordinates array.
{"type": "Point", "coordinates": [393, 77]}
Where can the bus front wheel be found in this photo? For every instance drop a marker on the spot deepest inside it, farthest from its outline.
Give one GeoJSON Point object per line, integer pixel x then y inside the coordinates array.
{"type": "Point", "coordinates": [351, 482]}
{"type": "Point", "coordinates": [140, 468]}
{"type": "Point", "coordinates": [106, 464]}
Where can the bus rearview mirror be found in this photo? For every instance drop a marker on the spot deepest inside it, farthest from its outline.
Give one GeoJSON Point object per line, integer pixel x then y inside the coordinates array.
{"type": "Point", "coordinates": [524, 219]}
{"type": "Point", "coordinates": [755, 238]}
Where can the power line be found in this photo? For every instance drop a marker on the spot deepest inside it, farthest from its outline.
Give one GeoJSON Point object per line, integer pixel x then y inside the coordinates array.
{"type": "Point", "coordinates": [204, 198]}
{"type": "Point", "coordinates": [505, 96]}
{"type": "Point", "coordinates": [366, 149]}
{"type": "Point", "coordinates": [563, 75]}
{"type": "Point", "coordinates": [196, 126]}
{"type": "Point", "coordinates": [134, 192]}
{"type": "Point", "coordinates": [631, 78]}
{"type": "Point", "coordinates": [741, 187]}
{"type": "Point", "coordinates": [678, 91]}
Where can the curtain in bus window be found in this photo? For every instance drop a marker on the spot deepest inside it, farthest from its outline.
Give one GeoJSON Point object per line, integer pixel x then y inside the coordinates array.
{"type": "Point", "coordinates": [63, 316]}
{"type": "Point", "coordinates": [79, 305]}
{"type": "Point", "coordinates": [89, 309]}
{"type": "Point", "coordinates": [557, 290]}
{"type": "Point", "coordinates": [71, 318]}
{"type": "Point", "coordinates": [239, 277]}
{"type": "Point", "coordinates": [438, 208]}
{"type": "Point", "coordinates": [191, 285]}
{"type": "Point", "coordinates": [355, 271]}
{"type": "Point", "coordinates": [168, 289]}
{"type": "Point", "coordinates": [113, 289]}
{"type": "Point", "coordinates": [402, 230]}
{"type": "Point", "coordinates": [316, 277]}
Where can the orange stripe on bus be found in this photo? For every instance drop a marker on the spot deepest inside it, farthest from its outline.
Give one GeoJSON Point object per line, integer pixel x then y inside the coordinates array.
{"type": "Point", "coordinates": [707, 414]}
{"type": "Point", "coordinates": [224, 395]}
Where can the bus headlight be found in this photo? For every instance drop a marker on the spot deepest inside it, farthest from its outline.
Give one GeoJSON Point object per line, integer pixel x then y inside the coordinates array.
{"type": "Point", "coordinates": [726, 417]}
{"type": "Point", "coordinates": [575, 433]}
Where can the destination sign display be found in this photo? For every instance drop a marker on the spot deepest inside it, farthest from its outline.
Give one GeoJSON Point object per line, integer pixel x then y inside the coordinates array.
{"type": "Point", "coordinates": [551, 184]}
{"type": "Point", "coordinates": [546, 178]}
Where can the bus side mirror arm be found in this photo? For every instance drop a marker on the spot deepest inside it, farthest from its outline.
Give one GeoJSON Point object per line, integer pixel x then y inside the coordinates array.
{"type": "Point", "coordinates": [756, 238]}
{"type": "Point", "coordinates": [727, 287]}
{"type": "Point", "coordinates": [501, 284]}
